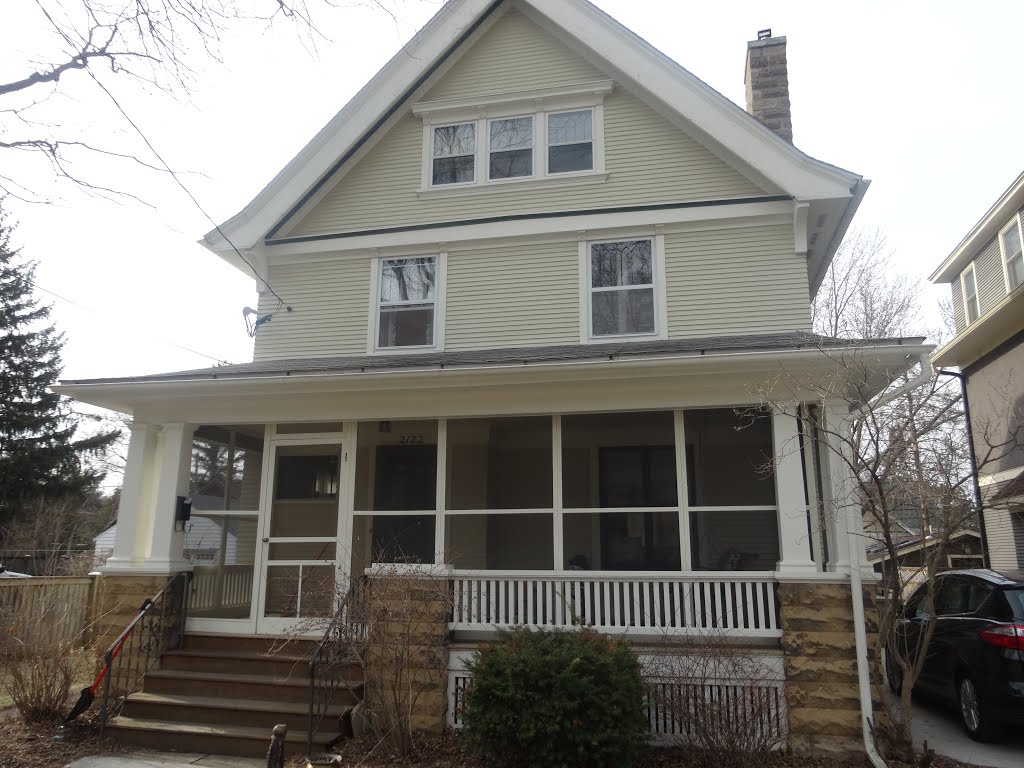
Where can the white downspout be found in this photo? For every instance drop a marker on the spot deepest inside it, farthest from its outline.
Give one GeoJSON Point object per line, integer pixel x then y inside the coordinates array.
{"type": "Point", "coordinates": [860, 636]}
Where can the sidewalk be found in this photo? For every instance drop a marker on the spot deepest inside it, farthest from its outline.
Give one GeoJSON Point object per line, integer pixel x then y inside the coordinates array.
{"type": "Point", "coordinates": [167, 760]}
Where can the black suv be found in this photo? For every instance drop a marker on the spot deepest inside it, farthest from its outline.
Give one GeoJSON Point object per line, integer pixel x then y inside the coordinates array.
{"type": "Point", "coordinates": [975, 660]}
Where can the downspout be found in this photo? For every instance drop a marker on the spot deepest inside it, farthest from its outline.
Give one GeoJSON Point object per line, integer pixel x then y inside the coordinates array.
{"type": "Point", "coordinates": [861, 639]}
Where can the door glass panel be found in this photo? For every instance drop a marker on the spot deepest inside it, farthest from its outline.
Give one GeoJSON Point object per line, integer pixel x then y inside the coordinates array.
{"type": "Point", "coordinates": [299, 591]}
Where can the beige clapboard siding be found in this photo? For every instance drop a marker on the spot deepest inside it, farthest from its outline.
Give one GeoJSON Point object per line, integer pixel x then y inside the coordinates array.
{"type": "Point", "coordinates": [513, 52]}
{"type": "Point", "coordinates": [330, 301]}
{"type": "Point", "coordinates": [1005, 534]}
{"type": "Point", "coordinates": [648, 159]}
{"type": "Point", "coordinates": [514, 296]}
{"type": "Point", "coordinates": [988, 267]}
{"type": "Point", "coordinates": [735, 281]}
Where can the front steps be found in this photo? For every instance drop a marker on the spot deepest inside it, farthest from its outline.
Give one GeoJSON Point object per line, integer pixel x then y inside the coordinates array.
{"type": "Point", "coordinates": [224, 695]}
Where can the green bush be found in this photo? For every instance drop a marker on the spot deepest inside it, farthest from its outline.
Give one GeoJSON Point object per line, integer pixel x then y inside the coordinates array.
{"type": "Point", "coordinates": [553, 699]}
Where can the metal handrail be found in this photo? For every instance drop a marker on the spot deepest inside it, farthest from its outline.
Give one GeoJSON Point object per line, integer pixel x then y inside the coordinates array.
{"type": "Point", "coordinates": [156, 628]}
{"type": "Point", "coordinates": [329, 661]}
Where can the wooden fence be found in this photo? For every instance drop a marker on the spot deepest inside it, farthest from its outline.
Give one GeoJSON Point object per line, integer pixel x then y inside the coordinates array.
{"type": "Point", "coordinates": [47, 609]}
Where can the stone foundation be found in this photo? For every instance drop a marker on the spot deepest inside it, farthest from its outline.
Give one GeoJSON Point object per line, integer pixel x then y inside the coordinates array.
{"type": "Point", "coordinates": [818, 641]}
{"type": "Point", "coordinates": [118, 599]}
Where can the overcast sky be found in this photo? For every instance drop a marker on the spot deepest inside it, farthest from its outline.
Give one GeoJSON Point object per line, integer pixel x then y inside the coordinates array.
{"type": "Point", "coordinates": [925, 99]}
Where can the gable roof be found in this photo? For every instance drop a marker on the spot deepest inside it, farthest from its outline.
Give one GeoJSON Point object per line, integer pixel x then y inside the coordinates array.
{"type": "Point", "coordinates": [637, 63]}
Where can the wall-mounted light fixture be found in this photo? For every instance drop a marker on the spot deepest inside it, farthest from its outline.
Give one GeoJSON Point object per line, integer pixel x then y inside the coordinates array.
{"type": "Point", "coordinates": [182, 514]}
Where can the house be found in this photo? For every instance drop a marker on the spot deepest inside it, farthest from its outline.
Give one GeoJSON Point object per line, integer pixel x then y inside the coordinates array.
{"type": "Point", "coordinates": [517, 300]}
{"type": "Point", "coordinates": [985, 273]}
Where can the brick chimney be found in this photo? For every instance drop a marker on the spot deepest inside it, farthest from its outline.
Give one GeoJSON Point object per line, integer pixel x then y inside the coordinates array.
{"type": "Point", "coordinates": [767, 81]}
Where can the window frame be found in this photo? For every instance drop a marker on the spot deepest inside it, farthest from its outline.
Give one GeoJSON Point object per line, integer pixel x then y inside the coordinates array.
{"type": "Point", "coordinates": [431, 157]}
{"type": "Point", "coordinates": [538, 104]}
{"type": "Point", "coordinates": [658, 287]}
{"type": "Point", "coordinates": [373, 320]}
{"type": "Point", "coordinates": [593, 143]}
{"type": "Point", "coordinates": [1014, 222]}
{"type": "Point", "coordinates": [963, 291]}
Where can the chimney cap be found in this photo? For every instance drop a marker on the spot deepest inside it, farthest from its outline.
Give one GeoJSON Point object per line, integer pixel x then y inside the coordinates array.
{"type": "Point", "coordinates": [764, 34]}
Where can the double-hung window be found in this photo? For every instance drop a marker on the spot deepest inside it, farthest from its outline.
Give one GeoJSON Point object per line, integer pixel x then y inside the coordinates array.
{"type": "Point", "coordinates": [406, 306]}
{"type": "Point", "coordinates": [970, 288]}
{"type": "Point", "coordinates": [622, 294]}
{"type": "Point", "coordinates": [1013, 254]}
{"type": "Point", "coordinates": [454, 154]}
{"type": "Point", "coordinates": [511, 148]}
{"type": "Point", "coordinates": [571, 141]}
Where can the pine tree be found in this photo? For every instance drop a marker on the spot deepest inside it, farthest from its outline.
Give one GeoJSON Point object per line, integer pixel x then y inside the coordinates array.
{"type": "Point", "coordinates": [39, 455]}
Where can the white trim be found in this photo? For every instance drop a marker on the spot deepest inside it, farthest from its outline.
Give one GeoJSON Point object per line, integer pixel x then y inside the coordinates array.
{"type": "Point", "coordinates": [710, 216]}
{"type": "Point", "coordinates": [503, 104]}
{"type": "Point", "coordinates": [968, 321]}
{"type": "Point", "coordinates": [373, 320]}
{"type": "Point", "coordinates": [657, 287]}
{"type": "Point", "coordinates": [1014, 222]}
{"type": "Point", "coordinates": [556, 492]}
{"type": "Point", "coordinates": [520, 182]}
{"type": "Point", "coordinates": [998, 477]}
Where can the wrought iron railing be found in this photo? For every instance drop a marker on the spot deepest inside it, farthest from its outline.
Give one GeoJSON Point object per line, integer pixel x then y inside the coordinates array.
{"type": "Point", "coordinates": [329, 663]}
{"type": "Point", "coordinates": [158, 627]}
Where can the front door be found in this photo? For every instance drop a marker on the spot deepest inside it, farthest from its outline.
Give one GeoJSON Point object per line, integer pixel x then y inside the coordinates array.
{"type": "Point", "coordinates": [300, 543]}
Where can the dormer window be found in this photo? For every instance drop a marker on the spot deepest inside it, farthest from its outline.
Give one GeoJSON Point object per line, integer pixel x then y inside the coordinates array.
{"type": "Point", "coordinates": [454, 154]}
{"type": "Point", "coordinates": [525, 137]}
{"type": "Point", "coordinates": [970, 289]}
{"type": "Point", "coordinates": [1010, 240]}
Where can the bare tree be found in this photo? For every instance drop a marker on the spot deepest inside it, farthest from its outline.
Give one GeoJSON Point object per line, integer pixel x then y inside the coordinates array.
{"type": "Point", "coordinates": [90, 47]}
{"type": "Point", "coordinates": [863, 295]}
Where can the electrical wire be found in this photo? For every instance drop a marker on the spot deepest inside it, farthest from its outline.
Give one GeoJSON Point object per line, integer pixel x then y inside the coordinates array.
{"type": "Point", "coordinates": [100, 312]}
{"type": "Point", "coordinates": [216, 226]}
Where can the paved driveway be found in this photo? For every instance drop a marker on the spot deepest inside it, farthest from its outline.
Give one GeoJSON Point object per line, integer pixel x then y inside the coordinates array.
{"type": "Point", "coordinates": [941, 728]}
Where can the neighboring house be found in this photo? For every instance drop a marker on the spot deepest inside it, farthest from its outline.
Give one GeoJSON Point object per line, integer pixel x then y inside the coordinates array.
{"type": "Point", "coordinates": [511, 298]}
{"type": "Point", "coordinates": [986, 277]}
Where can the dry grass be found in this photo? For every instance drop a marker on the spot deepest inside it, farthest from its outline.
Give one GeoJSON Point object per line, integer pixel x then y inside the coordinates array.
{"type": "Point", "coordinates": [32, 746]}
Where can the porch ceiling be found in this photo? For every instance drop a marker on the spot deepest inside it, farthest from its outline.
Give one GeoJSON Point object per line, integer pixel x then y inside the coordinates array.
{"type": "Point", "coordinates": [662, 374]}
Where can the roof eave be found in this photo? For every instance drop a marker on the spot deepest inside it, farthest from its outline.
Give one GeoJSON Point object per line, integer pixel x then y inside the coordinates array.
{"type": "Point", "coordinates": [987, 227]}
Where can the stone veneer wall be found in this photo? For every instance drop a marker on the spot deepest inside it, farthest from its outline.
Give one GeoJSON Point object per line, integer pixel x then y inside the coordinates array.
{"type": "Point", "coordinates": [118, 599]}
{"type": "Point", "coordinates": [821, 665]}
{"type": "Point", "coordinates": [408, 627]}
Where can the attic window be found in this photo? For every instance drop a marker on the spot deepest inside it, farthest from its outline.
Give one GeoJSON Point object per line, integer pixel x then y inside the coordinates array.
{"type": "Point", "coordinates": [454, 154]}
{"type": "Point", "coordinates": [571, 141]}
{"type": "Point", "coordinates": [1013, 254]}
{"type": "Point", "coordinates": [970, 289]}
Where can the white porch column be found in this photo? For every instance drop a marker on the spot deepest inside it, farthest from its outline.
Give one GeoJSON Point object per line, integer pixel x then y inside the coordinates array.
{"type": "Point", "coordinates": [130, 544]}
{"type": "Point", "coordinates": [839, 486]}
{"type": "Point", "coordinates": [794, 541]}
{"type": "Point", "coordinates": [166, 550]}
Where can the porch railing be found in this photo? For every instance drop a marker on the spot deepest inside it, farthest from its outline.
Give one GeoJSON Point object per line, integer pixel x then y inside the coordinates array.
{"type": "Point", "coordinates": [220, 588]}
{"type": "Point", "coordinates": [737, 603]}
{"type": "Point", "coordinates": [159, 626]}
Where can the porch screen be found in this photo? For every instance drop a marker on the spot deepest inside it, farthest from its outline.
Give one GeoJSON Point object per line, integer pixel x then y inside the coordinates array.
{"type": "Point", "coordinates": [225, 479]}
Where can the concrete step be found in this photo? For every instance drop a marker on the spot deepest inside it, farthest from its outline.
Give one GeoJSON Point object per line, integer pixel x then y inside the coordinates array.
{"type": "Point", "coordinates": [215, 739]}
{"type": "Point", "coordinates": [241, 686]}
{"type": "Point", "coordinates": [210, 710]}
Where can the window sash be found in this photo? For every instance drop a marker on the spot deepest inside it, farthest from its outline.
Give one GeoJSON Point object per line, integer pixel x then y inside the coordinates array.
{"type": "Point", "coordinates": [570, 142]}
{"type": "Point", "coordinates": [393, 306]}
{"type": "Point", "coordinates": [622, 288]}
{"type": "Point", "coordinates": [1013, 259]}
{"type": "Point", "coordinates": [971, 308]}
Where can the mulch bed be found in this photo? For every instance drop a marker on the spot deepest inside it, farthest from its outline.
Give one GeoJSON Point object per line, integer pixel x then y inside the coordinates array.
{"type": "Point", "coordinates": [443, 751]}
{"type": "Point", "coordinates": [32, 746]}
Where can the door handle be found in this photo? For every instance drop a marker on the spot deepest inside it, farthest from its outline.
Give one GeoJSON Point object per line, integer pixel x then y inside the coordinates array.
{"type": "Point", "coordinates": [266, 540]}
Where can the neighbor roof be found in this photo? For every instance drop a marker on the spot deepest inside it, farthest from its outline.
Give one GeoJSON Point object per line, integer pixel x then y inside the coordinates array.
{"type": "Point", "coordinates": [637, 63]}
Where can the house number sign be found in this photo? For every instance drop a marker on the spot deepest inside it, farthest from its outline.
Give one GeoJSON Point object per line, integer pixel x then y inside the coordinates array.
{"type": "Point", "coordinates": [410, 439]}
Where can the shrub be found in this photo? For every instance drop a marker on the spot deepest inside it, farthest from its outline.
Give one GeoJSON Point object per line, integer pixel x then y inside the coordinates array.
{"type": "Point", "coordinates": [545, 699]}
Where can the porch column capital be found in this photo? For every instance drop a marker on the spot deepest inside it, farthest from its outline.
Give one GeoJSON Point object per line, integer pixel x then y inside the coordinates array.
{"type": "Point", "coordinates": [791, 500]}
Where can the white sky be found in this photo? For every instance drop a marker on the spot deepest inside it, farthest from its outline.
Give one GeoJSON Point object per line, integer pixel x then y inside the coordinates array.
{"type": "Point", "coordinates": [923, 98]}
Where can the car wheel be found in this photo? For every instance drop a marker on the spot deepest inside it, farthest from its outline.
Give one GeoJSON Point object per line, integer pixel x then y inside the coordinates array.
{"type": "Point", "coordinates": [973, 714]}
{"type": "Point", "coordinates": [893, 673]}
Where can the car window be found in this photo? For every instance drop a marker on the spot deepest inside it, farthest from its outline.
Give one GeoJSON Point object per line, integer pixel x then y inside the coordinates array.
{"type": "Point", "coordinates": [952, 596]}
{"type": "Point", "coordinates": [917, 605]}
{"type": "Point", "coordinates": [977, 594]}
{"type": "Point", "coordinates": [1015, 597]}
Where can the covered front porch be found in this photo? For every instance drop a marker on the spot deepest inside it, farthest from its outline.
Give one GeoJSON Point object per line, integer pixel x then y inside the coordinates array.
{"type": "Point", "coordinates": [650, 497]}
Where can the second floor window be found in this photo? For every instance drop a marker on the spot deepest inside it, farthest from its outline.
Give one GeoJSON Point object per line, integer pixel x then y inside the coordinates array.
{"type": "Point", "coordinates": [622, 288]}
{"type": "Point", "coordinates": [1013, 255]}
{"type": "Point", "coordinates": [407, 302]}
{"type": "Point", "coordinates": [970, 295]}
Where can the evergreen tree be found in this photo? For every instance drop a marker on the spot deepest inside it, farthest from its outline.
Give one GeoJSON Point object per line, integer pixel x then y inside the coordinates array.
{"type": "Point", "coordinates": [39, 455]}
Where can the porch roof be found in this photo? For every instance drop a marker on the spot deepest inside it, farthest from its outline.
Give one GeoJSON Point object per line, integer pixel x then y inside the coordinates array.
{"type": "Point", "coordinates": [515, 356]}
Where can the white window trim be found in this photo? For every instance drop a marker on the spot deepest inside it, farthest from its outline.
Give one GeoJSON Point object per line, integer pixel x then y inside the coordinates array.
{"type": "Point", "coordinates": [1014, 222]}
{"type": "Point", "coordinates": [373, 318]}
{"type": "Point", "coordinates": [963, 291]}
{"type": "Point", "coordinates": [660, 304]}
{"type": "Point", "coordinates": [452, 112]}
